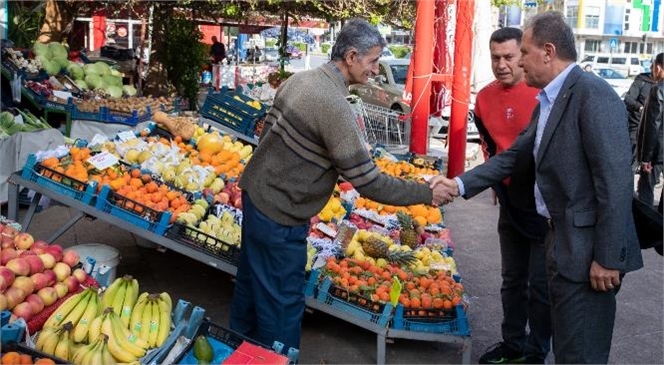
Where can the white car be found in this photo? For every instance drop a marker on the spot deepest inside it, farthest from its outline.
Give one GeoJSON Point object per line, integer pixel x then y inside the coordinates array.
{"type": "Point", "coordinates": [616, 79]}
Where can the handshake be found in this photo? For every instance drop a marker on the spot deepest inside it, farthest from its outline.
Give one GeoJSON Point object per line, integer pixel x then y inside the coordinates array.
{"type": "Point", "coordinates": [444, 190]}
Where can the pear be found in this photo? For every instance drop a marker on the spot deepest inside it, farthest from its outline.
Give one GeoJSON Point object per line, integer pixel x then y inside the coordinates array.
{"type": "Point", "coordinates": [144, 156]}
{"type": "Point", "coordinates": [132, 156]}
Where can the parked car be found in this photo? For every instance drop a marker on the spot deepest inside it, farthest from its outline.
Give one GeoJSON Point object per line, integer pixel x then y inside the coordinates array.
{"type": "Point", "coordinates": [616, 79]}
{"type": "Point", "coordinates": [386, 54]}
{"type": "Point", "coordinates": [295, 52]}
{"type": "Point", "coordinates": [387, 89]}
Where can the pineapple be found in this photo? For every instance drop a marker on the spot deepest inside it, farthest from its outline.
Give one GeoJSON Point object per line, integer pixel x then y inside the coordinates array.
{"type": "Point", "coordinates": [376, 248]}
{"type": "Point", "coordinates": [408, 235]}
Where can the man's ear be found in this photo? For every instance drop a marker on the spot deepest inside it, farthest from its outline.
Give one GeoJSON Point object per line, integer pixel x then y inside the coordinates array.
{"type": "Point", "coordinates": [549, 51]}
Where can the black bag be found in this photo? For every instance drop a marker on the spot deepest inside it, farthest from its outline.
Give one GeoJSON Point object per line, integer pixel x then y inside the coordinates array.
{"type": "Point", "coordinates": [648, 224]}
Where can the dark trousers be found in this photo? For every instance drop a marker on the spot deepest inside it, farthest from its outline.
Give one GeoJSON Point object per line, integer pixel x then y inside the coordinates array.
{"type": "Point", "coordinates": [645, 188]}
{"type": "Point", "coordinates": [582, 317]}
{"type": "Point", "coordinates": [524, 292]}
{"type": "Point", "coordinates": [268, 302]}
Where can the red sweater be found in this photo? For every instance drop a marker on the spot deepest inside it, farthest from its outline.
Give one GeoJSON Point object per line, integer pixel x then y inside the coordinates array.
{"type": "Point", "coordinates": [503, 113]}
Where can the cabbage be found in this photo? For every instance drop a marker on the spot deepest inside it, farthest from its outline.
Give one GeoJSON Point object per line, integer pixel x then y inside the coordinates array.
{"type": "Point", "coordinates": [41, 49]}
{"type": "Point", "coordinates": [104, 68]}
{"type": "Point", "coordinates": [94, 81]}
{"type": "Point", "coordinates": [115, 72]}
{"type": "Point", "coordinates": [129, 90]}
{"type": "Point", "coordinates": [63, 62]}
{"type": "Point", "coordinates": [81, 84]}
{"type": "Point", "coordinates": [112, 80]}
{"type": "Point", "coordinates": [91, 69]}
{"type": "Point", "coordinates": [114, 91]}
{"type": "Point", "coordinates": [75, 70]}
{"type": "Point", "coordinates": [58, 50]}
{"type": "Point", "coordinates": [51, 67]}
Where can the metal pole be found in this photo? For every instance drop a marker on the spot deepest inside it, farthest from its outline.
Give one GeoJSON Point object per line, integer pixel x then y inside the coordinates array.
{"type": "Point", "coordinates": [463, 46]}
{"type": "Point", "coordinates": [422, 75]}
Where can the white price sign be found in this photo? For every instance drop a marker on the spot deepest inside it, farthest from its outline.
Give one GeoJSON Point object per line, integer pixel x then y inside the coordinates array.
{"type": "Point", "coordinates": [103, 160]}
{"type": "Point", "coordinates": [124, 136]}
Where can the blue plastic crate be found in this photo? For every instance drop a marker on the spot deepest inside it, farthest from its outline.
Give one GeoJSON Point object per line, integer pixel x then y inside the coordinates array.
{"type": "Point", "coordinates": [456, 326]}
{"type": "Point", "coordinates": [381, 317]}
{"type": "Point", "coordinates": [79, 115]}
{"type": "Point", "coordinates": [117, 205]}
{"type": "Point", "coordinates": [224, 108]}
{"type": "Point", "coordinates": [109, 116]}
{"type": "Point", "coordinates": [311, 285]}
{"type": "Point", "coordinates": [82, 191]}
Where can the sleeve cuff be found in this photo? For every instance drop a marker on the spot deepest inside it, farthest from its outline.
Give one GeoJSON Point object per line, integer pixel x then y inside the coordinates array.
{"type": "Point", "coordinates": [462, 188]}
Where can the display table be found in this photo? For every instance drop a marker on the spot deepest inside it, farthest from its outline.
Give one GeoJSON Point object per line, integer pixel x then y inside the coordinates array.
{"type": "Point", "coordinates": [382, 333]}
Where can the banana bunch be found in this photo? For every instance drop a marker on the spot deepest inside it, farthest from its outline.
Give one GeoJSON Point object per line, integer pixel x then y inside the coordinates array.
{"type": "Point", "coordinates": [123, 345]}
{"type": "Point", "coordinates": [95, 353]}
{"type": "Point", "coordinates": [151, 318]}
{"type": "Point", "coordinates": [55, 341]}
{"type": "Point", "coordinates": [82, 305]}
{"type": "Point", "coordinates": [121, 295]}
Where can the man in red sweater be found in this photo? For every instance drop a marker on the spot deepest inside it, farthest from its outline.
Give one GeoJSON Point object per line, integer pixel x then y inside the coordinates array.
{"type": "Point", "coordinates": [502, 110]}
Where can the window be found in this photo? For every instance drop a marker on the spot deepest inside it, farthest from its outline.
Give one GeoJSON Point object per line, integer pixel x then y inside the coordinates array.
{"type": "Point", "coordinates": [631, 47]}
{"type": "Point", "coordinates": [602, 60]}
{"type": "Point", "coordinates": [572, 15]}
{"type": "Point", "coordinates": [592, 45]}
{"type": "Point", "coordinates": [592, 17]}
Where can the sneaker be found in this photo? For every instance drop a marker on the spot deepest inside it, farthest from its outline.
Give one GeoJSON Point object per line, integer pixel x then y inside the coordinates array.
{"type": "Point", "coordinates": [501, 353]}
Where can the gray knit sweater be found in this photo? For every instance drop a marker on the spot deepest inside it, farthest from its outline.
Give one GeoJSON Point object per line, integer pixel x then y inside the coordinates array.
{"type": "Point", "coordinates": [310, 138]}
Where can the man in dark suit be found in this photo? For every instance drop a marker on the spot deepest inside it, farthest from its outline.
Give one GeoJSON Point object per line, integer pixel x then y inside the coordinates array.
{"type": "Point", "coordinates": [583, 186]}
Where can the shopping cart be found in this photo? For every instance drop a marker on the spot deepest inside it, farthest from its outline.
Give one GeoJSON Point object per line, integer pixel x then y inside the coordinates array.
{"type": "Point", "coordinates": [386, 128]}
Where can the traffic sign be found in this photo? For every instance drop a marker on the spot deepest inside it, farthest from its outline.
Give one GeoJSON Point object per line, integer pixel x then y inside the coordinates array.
{"type": "Point", "coordinates": [613, 43]}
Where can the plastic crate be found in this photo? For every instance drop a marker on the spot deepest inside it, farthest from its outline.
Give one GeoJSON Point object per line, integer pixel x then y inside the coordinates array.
{"type": "Point", "coordinates": [232, 340]}
{"type": "Point", "coordinates": [379, 314]}
{"type": "Point", "coordinates": [132, 211]}
{"type": "Point", "coordinates": [112, 116]}
{"type": "Point", "coordinates": [80, 115]}
{"type": "Point", "coordinates": [35, 354]}
{"type": "Point", "coordinates": [84, 192]}
{"type": "Point", "coordinates": [311, 284]}
{"type": "Point", "coordinates": [203, 242]}
{"type": "Point", "coordinates": [224, 108]}
{"type": "Point", "coordinates": [453, 323]}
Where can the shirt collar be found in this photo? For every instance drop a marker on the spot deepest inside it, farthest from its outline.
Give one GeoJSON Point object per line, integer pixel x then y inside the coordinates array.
{"type": "Point", "coordinates": [337, 71]}
{"type": "Point", "coordinates": [550, 91]}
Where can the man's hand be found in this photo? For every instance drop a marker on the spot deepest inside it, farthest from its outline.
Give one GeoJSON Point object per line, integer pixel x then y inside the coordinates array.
{"type": "Point", "coordinates": [444, 190]}
{"type": "Point", "coordinates": [646, 166]}
{"type": "Point", "coordinates": [603, 279]}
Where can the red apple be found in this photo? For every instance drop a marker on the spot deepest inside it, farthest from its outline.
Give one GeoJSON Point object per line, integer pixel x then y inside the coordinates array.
{"type": "Point", "coordinates": [48, 260]}
{"type": "Point", "coordinates": [61, 270]}
{"type": "Point", "coordinates": [80, 274]}
{"type": "Point", "coordinates": [36, 302]}
{"type": "Point", "coordinates": [8, 275]}
{"type": "Point", "coordinates": [55, 251]}
{"type": "Point", "coordinates": [51, 278]}
{"type": "Point", "coordinates": [61, 289]}
{"type": "Point", "coordinates": [39, 247]}
{"type": "Point", "coordinates": [6, 242]}
{"type": "Point", "coordinates": [72, 283]}
{"type": "Point", "coordinates": [223, 198]}
{"type": "Point", "coordinates": [3, 284]}
{"type": "Point", "coordinates": [238, 203]}
{"type": "Point", "coordinates": [24, 283]}
{"type": "Point", "coordinates": [14, 296]}
{"type": "Point", "coordinates": [23, 310]}
{"type": "Point", "coordinates": [71, 258]}
{"type": "Point", "coordinates": [23, 240]}
{"type": "Point", "coordinates": [40, 280]}
{"type": "Point", "coordinates": [24, 253]}
{"type": "Point", "coordinates": [49, 295]}
{"type": "Point", "coordinates": [36, 264]}
{"type": "Point", "coordinates": [3, 302]}
{"type": "Point", "coordinates": [9, 231]}
{"type": "Point", "coordinates": [7, 254]}
{"type": "Point", "coordinates": [19, 266]}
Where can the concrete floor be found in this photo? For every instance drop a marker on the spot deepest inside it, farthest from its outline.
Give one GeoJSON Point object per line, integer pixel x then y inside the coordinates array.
{"type": "Point", "coordinates": [638, 334]}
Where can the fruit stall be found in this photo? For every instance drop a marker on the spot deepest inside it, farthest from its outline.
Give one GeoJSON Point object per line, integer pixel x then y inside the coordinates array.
{"type": "Point", "coordinates": [172, 178]}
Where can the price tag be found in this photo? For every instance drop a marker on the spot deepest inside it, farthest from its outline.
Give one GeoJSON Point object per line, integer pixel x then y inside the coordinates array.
{"type": "Point", "coordinates": [124, 136]}
{"type": "Point", "coordinates": [326, 229]}
{"type": "Point", "coordinates": [103, 160]}
{"type": "Point", "coordinates": [345, 234]}
{"type": "Point", "coordinates": [320, 262]}
{"type": "Point", "coordinates": [395, 291]}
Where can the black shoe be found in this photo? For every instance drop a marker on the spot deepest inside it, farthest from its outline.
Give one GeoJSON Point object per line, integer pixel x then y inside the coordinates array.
{"type": "Point", "coordinates": [501, 353]}
{"type": "Point", "coordinates": [534, 359]}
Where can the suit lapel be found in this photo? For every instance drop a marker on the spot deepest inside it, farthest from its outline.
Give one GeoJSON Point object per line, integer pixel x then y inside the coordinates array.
{"type": "Point", "coordinates": [559, 107]}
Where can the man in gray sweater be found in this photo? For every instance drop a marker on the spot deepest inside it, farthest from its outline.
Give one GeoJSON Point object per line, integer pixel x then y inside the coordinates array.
{"type": "Point", "coordinates": [310, 139]}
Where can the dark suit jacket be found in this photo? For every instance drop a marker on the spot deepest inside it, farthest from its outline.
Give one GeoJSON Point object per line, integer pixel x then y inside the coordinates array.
{"type": "Point", "coordinates": [649, 143]}
{"type": "Point", "coordinates": [583, 171]}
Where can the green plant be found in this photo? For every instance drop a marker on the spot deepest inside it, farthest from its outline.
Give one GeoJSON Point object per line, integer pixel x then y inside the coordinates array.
{"type": "Point", "coordinates": [325, 46]}
{"type": "Point", "coordinates": [399, 51]}
{"type": "Point", "coordinates": [270, 42]}
{"type": "Point", "coordinates": [24, 23]}
{"type": "Point", "coordinates": [184, 56]}
{"type": "Point", "coordinates": [301, 46]}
